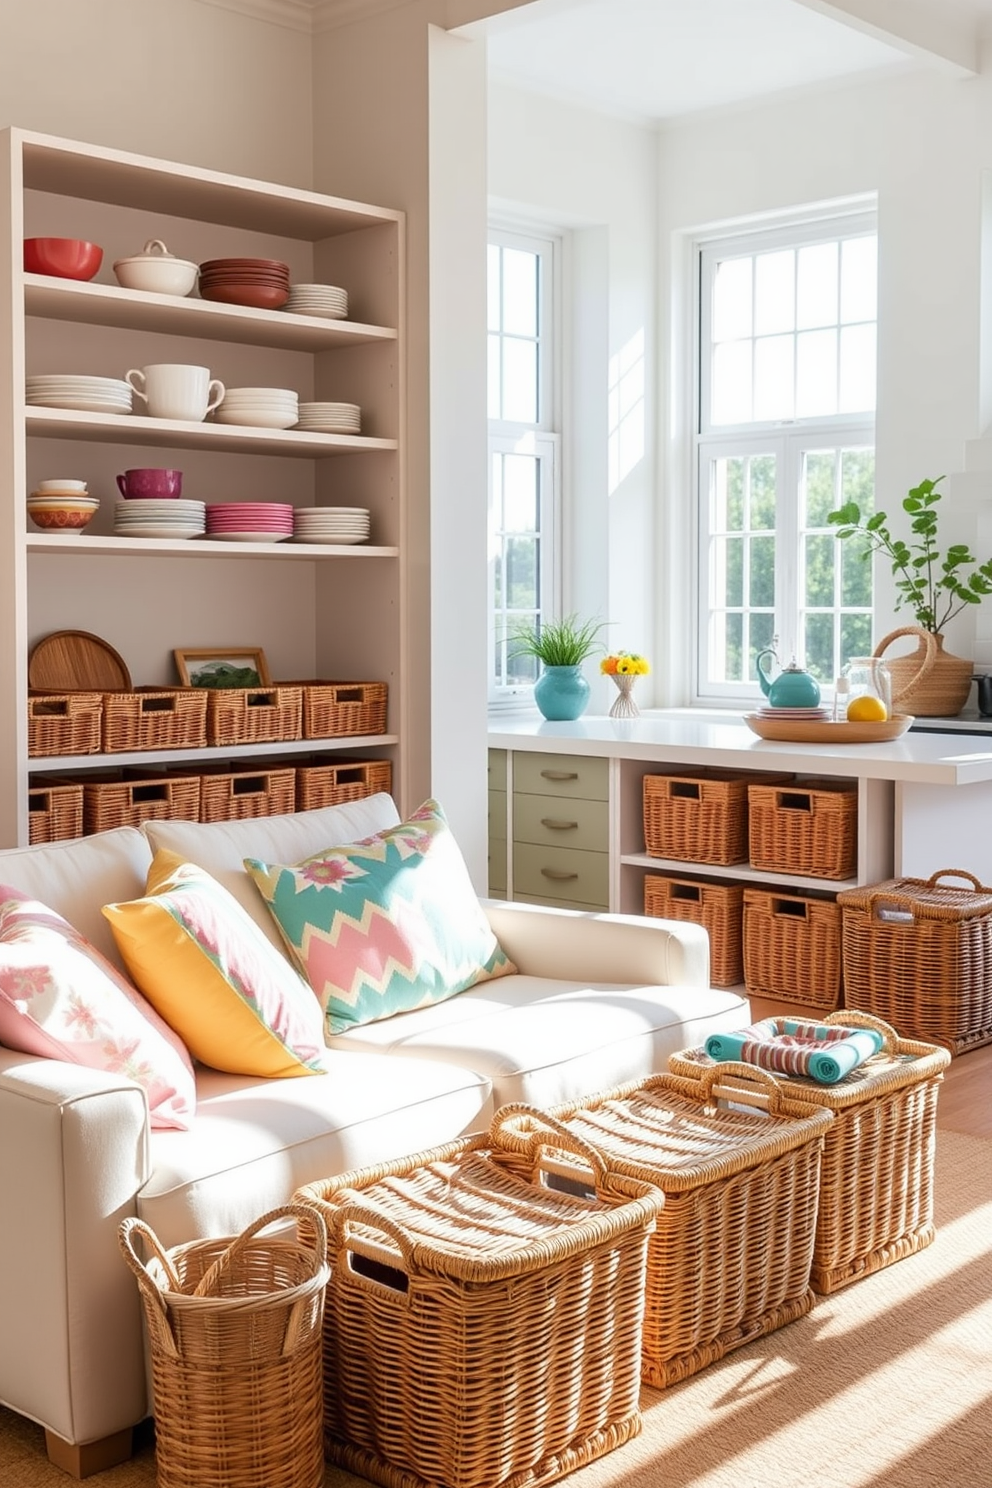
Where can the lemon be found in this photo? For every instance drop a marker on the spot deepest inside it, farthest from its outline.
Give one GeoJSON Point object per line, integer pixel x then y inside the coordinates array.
{"type": "Point", "coordinates": [866, 709]}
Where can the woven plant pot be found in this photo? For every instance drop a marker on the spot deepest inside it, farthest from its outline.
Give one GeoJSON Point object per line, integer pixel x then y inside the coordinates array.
{"type": "Point", "coordinates": [929, 683]}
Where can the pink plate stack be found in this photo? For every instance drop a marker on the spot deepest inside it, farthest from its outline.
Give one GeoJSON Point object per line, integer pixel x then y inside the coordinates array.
{"type": "Point", "coordinates": [250, 521]}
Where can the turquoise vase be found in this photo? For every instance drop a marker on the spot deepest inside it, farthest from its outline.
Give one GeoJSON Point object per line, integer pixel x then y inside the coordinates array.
{"type": "Point", "coordinates": [561, 692]}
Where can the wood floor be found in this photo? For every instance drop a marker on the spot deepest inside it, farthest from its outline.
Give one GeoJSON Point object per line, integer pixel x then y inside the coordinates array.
{"type": "Point", "coordinates": [965, 1100]}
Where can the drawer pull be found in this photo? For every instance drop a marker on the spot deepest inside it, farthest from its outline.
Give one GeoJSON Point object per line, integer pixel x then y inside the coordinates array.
{"type": "Point", "coordinates": [557, 874]}
{"type": "Point", "coordinates": [555, 824]}
{"type": "Point", "coordinates": [559, 774]}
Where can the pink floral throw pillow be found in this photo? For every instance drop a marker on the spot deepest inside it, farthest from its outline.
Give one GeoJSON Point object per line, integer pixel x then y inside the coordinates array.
{"type": "Point", "coordinates": [60, 999]}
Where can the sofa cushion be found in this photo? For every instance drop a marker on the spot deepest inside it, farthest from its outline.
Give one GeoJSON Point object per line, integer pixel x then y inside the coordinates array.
{"type": "Point", "coordinates": [548, 1041]}
{"type": "Point", "coordinates": [60, 999]}
{"type": "Point", "coordinates": [385, 924]}
{"type": "Point", "coordinates": [221, 847]}
{"type": "Point", "coordinates": [256, 1141]}
{"type": "Point", "coordinates": [213, 976]}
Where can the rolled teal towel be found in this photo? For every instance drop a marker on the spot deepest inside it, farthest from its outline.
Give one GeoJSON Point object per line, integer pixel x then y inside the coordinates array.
{"type": "Point", "coordinates": [827, 1066]}
{"type": "Point", "coordinates": [721, 1046]}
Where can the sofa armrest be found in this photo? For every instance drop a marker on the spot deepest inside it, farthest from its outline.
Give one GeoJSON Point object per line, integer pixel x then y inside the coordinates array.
{"type": "Point", "coordinates": [580, 946]}
{"type": "Point", "coordinates": [73, 1155]}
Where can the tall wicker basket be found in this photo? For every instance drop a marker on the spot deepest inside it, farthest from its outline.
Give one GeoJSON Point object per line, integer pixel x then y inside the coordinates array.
{"type": "Point", "coordinates": [234, 1329]}
{"type": "Point", "coordinates": [483, 1327]}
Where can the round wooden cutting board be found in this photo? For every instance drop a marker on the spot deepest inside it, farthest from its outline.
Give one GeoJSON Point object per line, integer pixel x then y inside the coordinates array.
{"type": "Point", "coordinates": [75, 660]}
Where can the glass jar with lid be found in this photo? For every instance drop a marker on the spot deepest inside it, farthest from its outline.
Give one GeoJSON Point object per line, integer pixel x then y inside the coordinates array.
{"type": "Point", "coordinates": [865, 692]}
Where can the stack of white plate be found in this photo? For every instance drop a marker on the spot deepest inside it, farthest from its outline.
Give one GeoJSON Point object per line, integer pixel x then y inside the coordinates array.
{"type": "Point", "coordinates": [318, 299]}
{"type": "Point", "coordinates": [813, 714]}
{"type": "Point", "coordinates": [264, 408]}
{"type": "Point", "coordinates": [172, 518]}
{"type": "Point", "coordinates": [331, 524]}
{"type": "Point", "coordinates": [330, 418]}
{"type": "Point", "coordinates": [69, 390]}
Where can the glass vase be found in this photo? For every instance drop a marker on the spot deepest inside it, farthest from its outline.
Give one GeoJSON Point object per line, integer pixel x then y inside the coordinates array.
{"type": "Point", "coordinates": [623, 704]}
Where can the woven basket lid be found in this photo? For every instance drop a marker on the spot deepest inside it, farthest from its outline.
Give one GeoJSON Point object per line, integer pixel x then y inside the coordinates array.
{"type": "Point", "coordinates": [75, 660]}
{"type": "Point", "coordinates": [922, 898]}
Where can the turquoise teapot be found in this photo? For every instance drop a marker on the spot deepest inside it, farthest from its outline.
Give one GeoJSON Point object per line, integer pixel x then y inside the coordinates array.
{"type": "Point", "coordinates": [792, 688]}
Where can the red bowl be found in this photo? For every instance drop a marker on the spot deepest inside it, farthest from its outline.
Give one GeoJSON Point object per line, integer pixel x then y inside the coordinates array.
{"type": "Point", "coordinates": [67, 258]}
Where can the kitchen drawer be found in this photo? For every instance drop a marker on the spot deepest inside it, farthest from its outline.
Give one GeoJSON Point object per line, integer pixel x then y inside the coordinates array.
{"type": "Point", "coordinates": [561, 775]}
{"type": "Point", "coordinates": [562, 873]}
{"type": "Point", "coordinates": [497, 870]}
{"type": "Point", "coordinates": [562, 823]}
{"type": "Point", "coordinates": [497, 769]}
{"type": "Point", "coordinates": [497, 814]}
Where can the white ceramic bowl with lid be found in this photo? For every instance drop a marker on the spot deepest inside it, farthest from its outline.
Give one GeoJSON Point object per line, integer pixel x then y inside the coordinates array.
{"type": "Point", "coordinates": [157, 270]}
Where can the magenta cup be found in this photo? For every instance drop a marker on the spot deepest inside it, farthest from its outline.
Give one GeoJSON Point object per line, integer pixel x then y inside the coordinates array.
{"type": "Point", "coordinates": [135, 485]}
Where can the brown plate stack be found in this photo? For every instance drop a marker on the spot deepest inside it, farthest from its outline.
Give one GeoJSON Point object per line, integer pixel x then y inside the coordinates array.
{"type": "Point", "coordinates": [259, 282]}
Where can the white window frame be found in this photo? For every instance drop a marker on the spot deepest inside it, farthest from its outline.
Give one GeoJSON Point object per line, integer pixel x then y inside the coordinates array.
{"type": "Point", "coordinates": [541, 439]}
{"type": "Point", "coordinates": [787, 440]}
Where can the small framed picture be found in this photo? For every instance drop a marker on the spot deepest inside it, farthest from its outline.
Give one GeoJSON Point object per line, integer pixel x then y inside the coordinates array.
{"type": "Point", "coordinates": [223, 666]}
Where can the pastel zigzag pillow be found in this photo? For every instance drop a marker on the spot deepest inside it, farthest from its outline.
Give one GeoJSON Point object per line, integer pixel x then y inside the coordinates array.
{"type": "Point", "coordinates": [384, 925]}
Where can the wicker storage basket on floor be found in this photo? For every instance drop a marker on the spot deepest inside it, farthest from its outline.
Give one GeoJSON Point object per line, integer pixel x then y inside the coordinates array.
{"type": "Point", "coordinates": [792, 948]}
{"type": "Point", "coordinates": [804, 828]}
{"type": "Point", "coordinates": [730, 1257]}
{"type": "Point", "coordinates": [150, 719]}
{"type": "Point", "coordinates": [331, 782]}
{"type": "Point", "coordinates": [234, 1330]}
{"type": "Point", "coordinates": [876, 1177]}
{"type": "Point", "coordinates": [482, 1327]}
{"type": "Point", "coordinates": [718, 908]}
{"type": "Point", "coordinates": [55, 812]}
{"type": "Point", "coordinates": [918, 953]}
{"type": "Point", "coordinates": [64, 723]}
{"type": "Point", "coordinates": [243, 793]}
{"type": "Point", "coordinates": [254, 715]}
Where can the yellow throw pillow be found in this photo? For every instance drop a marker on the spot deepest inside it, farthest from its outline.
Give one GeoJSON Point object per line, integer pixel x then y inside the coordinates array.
{"type": "Point", "coordinates": [208, 970]}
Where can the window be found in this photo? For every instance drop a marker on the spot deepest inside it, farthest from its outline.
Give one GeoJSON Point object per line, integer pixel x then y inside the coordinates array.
{"type": "Point", "coordinates": [785, 435]}
{"type": "Point", "coordinates": [523, 476]}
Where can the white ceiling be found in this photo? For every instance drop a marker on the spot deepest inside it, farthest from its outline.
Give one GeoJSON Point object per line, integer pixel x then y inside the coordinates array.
{"type": "Point", "coordinates": [654, 60]}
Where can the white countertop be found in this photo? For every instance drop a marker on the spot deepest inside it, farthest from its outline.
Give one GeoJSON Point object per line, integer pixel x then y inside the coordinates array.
{"type": "Point", "coordinates": [685, 736]}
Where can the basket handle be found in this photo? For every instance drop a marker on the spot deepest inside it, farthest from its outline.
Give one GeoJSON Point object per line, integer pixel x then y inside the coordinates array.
{"type": "Point", "coordinates": [156, 1311]}
{"type": "Point", "coordinates": [303, 1216]}
{"type": "Point", "coordinates": [374, 1219]}
{"type": "Point", "coordinates": [851, 1018]}
{"type": "Point", "coordinates": [759, 1088]}
{"type": "Point", "coordinates": [517, 1127]}
{"type": "Point", "coordinates": [976, 883]}
{"type": "Point", "coordinates": [926, 666]}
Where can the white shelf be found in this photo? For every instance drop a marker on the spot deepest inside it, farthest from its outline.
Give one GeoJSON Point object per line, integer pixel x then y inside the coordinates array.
{"type": "Point", "coordinates": [41, 764]}
{"type": "Point", "coordinates": [736, 871]}
{"type": "Point", "coordinates": [65, 423]}
{"type": "Point", "coordinates": [198, 547]}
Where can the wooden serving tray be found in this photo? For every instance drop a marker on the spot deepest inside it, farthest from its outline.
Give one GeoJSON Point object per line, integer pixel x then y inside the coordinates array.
{"type": "Point", "coordinates": [73, 660]}
{"type": "Point", "coordinates": [819, 731]}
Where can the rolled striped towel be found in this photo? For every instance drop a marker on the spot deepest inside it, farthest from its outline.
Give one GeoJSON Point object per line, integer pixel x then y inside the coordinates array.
{"type": "Point", "coordinates": [792, 1046]}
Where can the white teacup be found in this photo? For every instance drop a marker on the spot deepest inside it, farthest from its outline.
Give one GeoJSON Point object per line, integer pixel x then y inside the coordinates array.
{"type": "Point", "coordinates": [61, 485]}
{"type": "Point", "coordinates": [176, 391]}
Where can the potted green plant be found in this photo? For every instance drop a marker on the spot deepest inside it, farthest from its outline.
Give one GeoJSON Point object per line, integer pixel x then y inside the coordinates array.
{"type": "Point", "coordinates": [561, 646]}
{"type": "Point", "coordinates": [935, 585]}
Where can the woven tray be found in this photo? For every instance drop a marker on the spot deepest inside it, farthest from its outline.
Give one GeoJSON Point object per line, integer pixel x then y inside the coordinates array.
{"type": "Point", "coordinates": [332, 782]}
{"type": "Point", "coordinates": [237, 795]}
{"type": "Point", "coordinates": [64, 723]}
{"type": "Point", "coordinates": [172, 718]}
{"type": "Point", "coordinates": [445, 1264]}
{"type": "Point", "coordinates": [55, 813]}
{"type": "Point", "coordinates": [804, 828]}
{"type": "Point", "coordinates": [731, 1254]}
{"type": "Point", "coordinates": [719, 908]}
{"type": "Point", "coordinates": [876, 1178]}
{"type": "Point", "coordinates": [792, 948]}
{"type": "Point", "coordinates": [254, 715]}
{"type": "Point", "coordinates": [918, 954]}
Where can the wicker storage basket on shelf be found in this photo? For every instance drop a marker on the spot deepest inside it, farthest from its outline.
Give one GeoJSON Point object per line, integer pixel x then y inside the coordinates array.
{"type": "Point", "coordinates": [717, 907]}
{"type": "Point", "coordinates": [254, 715]}
{"type": "Point", "coordinates": [151, 719]}
{"type": "Point", "coordinates": [332, 710]}
{"type": "Point", "coordinates": [126, 798]}
{"type": "Point", "coordinates": [234, 1331]}
{"type": "Point", "coordinates": [876, 1177]}
{"type": "Point", "coordinates": [482, 1326]}
{"type": "Point", "coordinates": [730, 1257]}
{"type": "Point", "coordinates": [64, 723]}
{"type": "Point", "coordinates": [918, 953]}
{"type": "Point", "coordinates": [55, 812]}
{"type": "Point", "coordinates": [237, 794]}
{"type": "Point", "coordinates": [792, 948]}
{"type": "Point", "coordinates": [331, 782]}
{"type": "Point", "coordinates": [700, 818]}
{"type": "Point", "coordinates": [804, 828]}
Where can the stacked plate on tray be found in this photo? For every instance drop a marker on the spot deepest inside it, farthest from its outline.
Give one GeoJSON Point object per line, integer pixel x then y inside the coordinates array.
{"type": "Point", "coordinates": [330, 418]}
{"type": "Point", "coordinates": [318, 299]}
{"type": "Point", "coordinates": [813, 715]}
{"type": "Point", "coordinates": [173, 517]}
{"type": "Point", "coordinates": [75, 391]}
{"type": "Point", "coordinates": [250, 521]}
{"type": "Point", "coordinates": [263, 408]}
{"type": "Point", "coordinates": [332, 524]}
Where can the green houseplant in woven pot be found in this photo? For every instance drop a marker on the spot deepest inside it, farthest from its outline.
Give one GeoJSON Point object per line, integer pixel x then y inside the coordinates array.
{"type": "Point", "coordinates": [935, 585]}
{"type": "Point", "coordinates": [561, 692]}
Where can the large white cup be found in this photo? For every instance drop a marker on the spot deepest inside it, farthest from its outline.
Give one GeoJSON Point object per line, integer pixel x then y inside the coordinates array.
{"type": "Point", "coordinates": [175, 391]}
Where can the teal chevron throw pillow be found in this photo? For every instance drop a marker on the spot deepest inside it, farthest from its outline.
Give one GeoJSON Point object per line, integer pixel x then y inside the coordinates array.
{"type": "Point", "coordinates": [384, 925]}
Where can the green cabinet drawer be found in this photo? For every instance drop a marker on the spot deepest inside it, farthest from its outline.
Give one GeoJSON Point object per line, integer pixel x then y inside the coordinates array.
{"type": "Point", "coordinates": [497, 868]}
{"type": "Point", "coordinates": [497, 814]}
{"type": "Point", "coordinates": [562, 822]}
{"type": "Point", "coordinates": [561, 775]}
{"type": "Point", "coordinates": [497, 769]}
{"type": "Point", "coordinates": [562, 873]}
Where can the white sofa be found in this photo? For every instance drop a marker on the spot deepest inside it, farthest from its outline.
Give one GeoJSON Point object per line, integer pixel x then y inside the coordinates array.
{"type": "Point", "coordinates": [599, 999]}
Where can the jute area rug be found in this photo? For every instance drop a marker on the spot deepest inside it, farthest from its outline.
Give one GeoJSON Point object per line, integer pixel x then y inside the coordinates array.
{"type": "Point", "coordinates": [886, 1384]}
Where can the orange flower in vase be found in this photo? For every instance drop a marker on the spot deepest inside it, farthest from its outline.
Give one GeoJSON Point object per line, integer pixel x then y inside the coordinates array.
{"type": "Point", "coordinates": [624, 667]}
